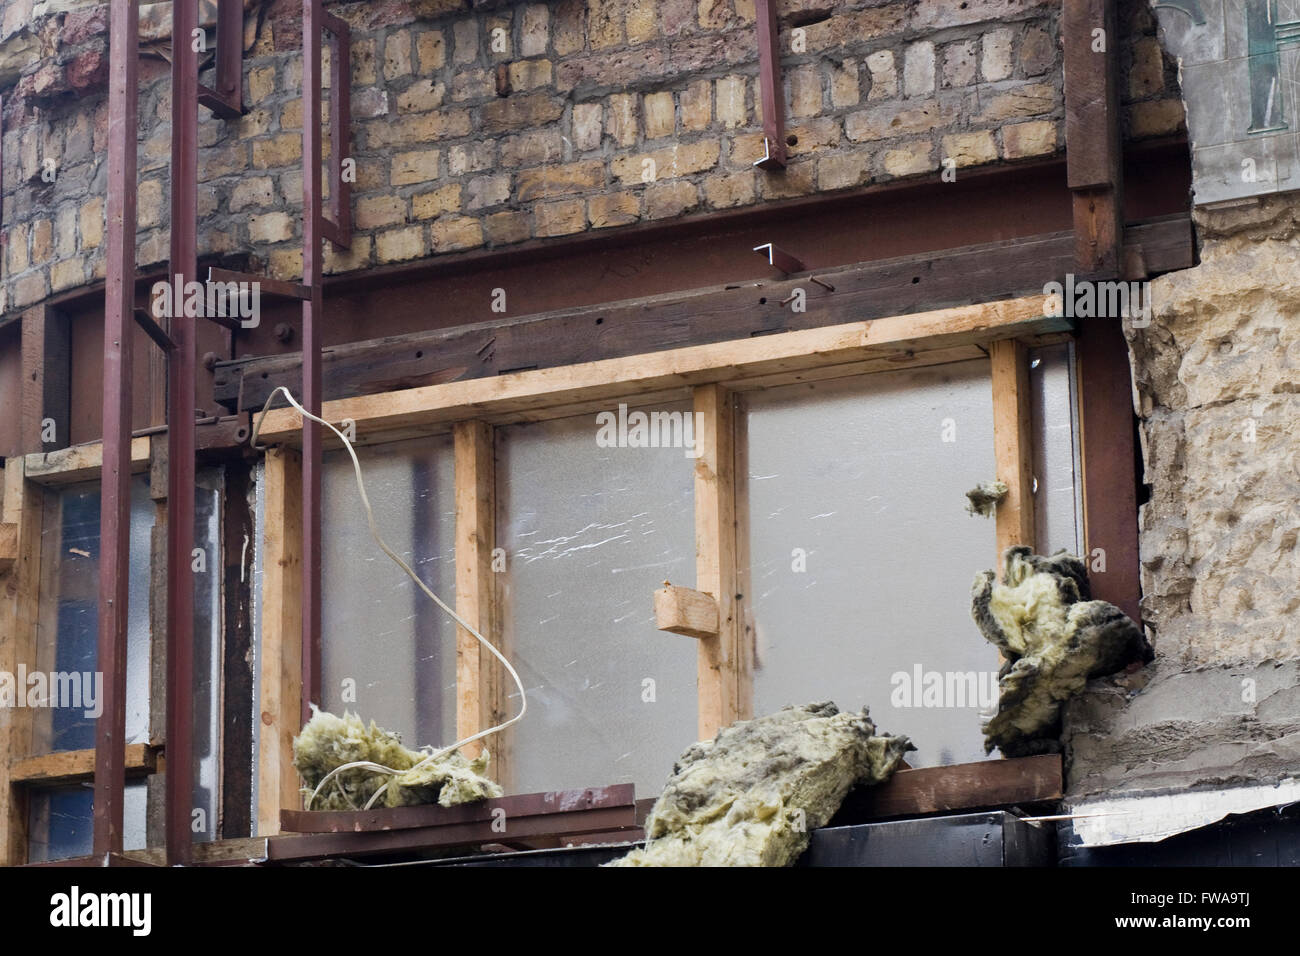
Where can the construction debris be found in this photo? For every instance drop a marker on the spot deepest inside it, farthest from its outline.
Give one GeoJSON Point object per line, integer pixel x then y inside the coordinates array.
{"type": "Point", "coordinates": [751, 796]}
{"type": "Point", "coordinates": [1054, 639]}
{"type": "Point", "coordinates": [984, 497]}
{"type": "Point", "coordinates": [329, 742]}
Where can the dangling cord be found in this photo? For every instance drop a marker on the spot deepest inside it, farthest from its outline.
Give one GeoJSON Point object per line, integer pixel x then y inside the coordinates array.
{"type": "Point", "coordinates": [374, 532]}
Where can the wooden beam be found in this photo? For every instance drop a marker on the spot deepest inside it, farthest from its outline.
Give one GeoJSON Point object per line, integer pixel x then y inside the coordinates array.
{"type": "Point", "coordinates": [1094, 165]}
{"type": "Point", "coordinates": [1013, 443]}
{"type": "Point", "coordinates": [281, 664]}
{"type": "Point", "coordinates": [45, 412]}
{"type": "Point", "coordinates": [75, 766]}
{"type": "Point", "coordinates": [1110, 479]}
{"type": "Point", "coordinates": [967, 786]}
{"type": "Point", "coordinates": [480, 688]}
{"type": "Point", "coordinates": [80, 462]}
{"type": "Point", "coordinates": [529, 395]}
{"type": "Point", "coordinates": [686, 611]}
{"type": "Point", "coordinates": [719, 671]}
{"type": "Point", "coordinates": [870, 290]}
{"type": "Point", "coordinates": [8, 546]}
{"type": "Point", "coordinates": [19, 613]}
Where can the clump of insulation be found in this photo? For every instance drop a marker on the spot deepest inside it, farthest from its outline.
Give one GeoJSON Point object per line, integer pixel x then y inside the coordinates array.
{"type": "Point", "coordinates": [328, 742]}
{"type": "Point", "coordinates": [751, 796]}
{"type": "Point", "coordinates": [984, 497]}
{"type": "Point", "coordinates": [1054, 639]}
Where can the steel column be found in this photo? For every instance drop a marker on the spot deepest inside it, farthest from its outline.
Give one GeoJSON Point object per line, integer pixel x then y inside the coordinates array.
{"type": "Point", "coordinates": [115, 490]}
{"type": "Point", "coordinates": [312, 22]}
{"type": "Point", "coordinates": [180, 437]}
{"type": "Point", "coordinates": [769, 80]}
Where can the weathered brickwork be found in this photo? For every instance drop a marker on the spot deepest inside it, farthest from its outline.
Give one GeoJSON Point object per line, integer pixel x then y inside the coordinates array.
{"type": "Point", "coordinates": [532, 120]}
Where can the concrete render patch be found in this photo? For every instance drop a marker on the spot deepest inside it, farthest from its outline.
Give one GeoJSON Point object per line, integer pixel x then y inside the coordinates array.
{"type": "Point", "coordinates": [1150, 819]}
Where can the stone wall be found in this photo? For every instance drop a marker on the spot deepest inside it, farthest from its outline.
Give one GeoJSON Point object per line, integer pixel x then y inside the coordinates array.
{"type": "Point", "coordinates": [534, 120]}
{"type": "Point", "coordinates": [1217, 389]}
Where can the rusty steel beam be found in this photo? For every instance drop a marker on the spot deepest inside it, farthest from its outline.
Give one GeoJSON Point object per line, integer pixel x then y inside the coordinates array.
{"type": "Point", "coordinates": [769, 79]}
{"type": "Point", "coordinates": [339, 226]}
{"type": "Point", "coordinates": [115, 476]}
{"type": "Point", "coordinates": [227, 99]}
{"type": "Point", "coordinates": [180, 442]}
{"type": "Point", "coordinates": [312, 19]}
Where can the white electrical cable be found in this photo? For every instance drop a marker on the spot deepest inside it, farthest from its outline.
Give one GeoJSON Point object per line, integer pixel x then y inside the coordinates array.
{"type": "Point", "coordinates": [374, 532]}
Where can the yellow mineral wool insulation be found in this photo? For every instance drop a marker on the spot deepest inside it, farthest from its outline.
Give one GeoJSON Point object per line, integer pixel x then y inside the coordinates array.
{"type": "Point", "coordinates": [752, 795]}
{"type": "Point", "coordinates": [383, 768]}
{"type": "Point", "coordinates": [1054, 640]}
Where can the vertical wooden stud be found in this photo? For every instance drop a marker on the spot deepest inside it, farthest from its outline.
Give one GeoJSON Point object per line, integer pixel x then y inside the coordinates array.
{"type": "Point", "coordinates": [281, 662]}
{"type": "Point", "coordinates": [1013, 443]}
{"type": "Point", "coordinates": [480, 680]}
{"type": "Point", "coordinates": [715, 557]}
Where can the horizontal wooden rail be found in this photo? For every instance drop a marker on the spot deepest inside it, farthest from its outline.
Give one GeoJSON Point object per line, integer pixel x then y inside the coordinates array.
{"type": "Point", "coordinates": [894, 342]}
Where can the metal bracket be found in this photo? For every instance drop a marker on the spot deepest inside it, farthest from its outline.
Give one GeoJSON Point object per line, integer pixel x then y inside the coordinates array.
{"type": "Point", "coordinates": [779, 259]}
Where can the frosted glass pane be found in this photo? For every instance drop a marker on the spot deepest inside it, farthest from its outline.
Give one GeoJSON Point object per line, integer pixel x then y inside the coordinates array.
{"type": "Point", "coordinates": [380, 633]}
{"type": "Point", "coordinates": [855, 478]}
{"type": "Point", "coordinates": [1056, 523]}
{"type": "Point", "coordinates": [69, 612]}
{"type": "Point", "coordinates": [590, 533]}
{"type": "Point", "coordinates": [59, 824]}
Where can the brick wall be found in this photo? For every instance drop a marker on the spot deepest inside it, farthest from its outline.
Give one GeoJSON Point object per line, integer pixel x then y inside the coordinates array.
{"type": "Point", "coordinates": [535, 120]}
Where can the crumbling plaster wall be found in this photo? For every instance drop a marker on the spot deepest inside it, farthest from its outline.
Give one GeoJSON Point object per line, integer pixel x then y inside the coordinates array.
{"type": "Point", "coordinates": [1217, 390]}
{"type": "Point", "coordinates": [875, 90]}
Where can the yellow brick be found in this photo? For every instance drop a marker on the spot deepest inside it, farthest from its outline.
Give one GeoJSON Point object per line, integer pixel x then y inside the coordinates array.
{"type": "Point", "coordinates": [271, 227]}
{"type": "Point", "coordinates": [456, 232]}
{"type": "Point", "coordinates": [697, 105]}
{"type": "Point", "coordinates": [667, 163]}
{"type": "Point", "coordinates": [910, 160]}
{"type": "Point", "coordinates": [282, 150]}
{"type": "Point", "coordinates": [414, 167]}
{"type": "Point", "coordinates": [508, 227]}
{"type": "Point", "coordinates": [374, 212]}
{"type": "Point", "coordinates": [613, 209]}
{"type": "Point", "coordinates": [731, 189]}
{"type": "Point", "coordinates": [1028, 139]}
{"type": "Point", "coordinates": [431, 50]}
{"type": "Point", "coordinates": [67, 274]}
{"type": "Point", "coordinates": [560, 218]}
{"type": "Point", "coordinates": [261, 83]}
{"type": "Point", "coordinates": [530, 74]}
{"type": "Point", "coordinates": [660, 115]}
{"type": "Point", "coordinates": [431, 204]}
{"type": "Point", "coordinates": [970, 149]}
{"type": "Point", "coordinates": [397, 245]}
{"type": "Point", "coordinates": [670, 199]}
{"type": "Point", "coordinates": [92, 223]}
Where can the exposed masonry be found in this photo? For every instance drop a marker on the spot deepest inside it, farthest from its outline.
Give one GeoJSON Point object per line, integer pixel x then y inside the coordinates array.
{"type": "Point", "coordinates": [596, 87]}
{"type": "Point", "coordinates": [1215, 388]}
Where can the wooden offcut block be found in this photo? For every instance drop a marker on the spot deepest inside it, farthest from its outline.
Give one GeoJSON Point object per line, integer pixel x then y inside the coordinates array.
{"type": "Point", "coordinates": [686, 611]}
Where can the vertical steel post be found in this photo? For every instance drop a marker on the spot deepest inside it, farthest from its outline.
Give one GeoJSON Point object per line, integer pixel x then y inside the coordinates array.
{"type": "Point", "coordinates": [312, 17]}
{"type": "Point", "coordinates": [180, 436]}
{"type": "Point", "coordinates": [769, 81]}
{"type": "Point", "coordinates": [115, 483]}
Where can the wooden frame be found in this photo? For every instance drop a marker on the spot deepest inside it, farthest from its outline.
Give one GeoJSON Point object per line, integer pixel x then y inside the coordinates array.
{"type": "Point", "coordinates": [281, 659]}
{"type": "Point", "coordinates": [713, 376]}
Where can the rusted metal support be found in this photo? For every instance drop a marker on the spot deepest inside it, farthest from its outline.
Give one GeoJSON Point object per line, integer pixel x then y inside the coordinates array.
{"type": "Point", "coordinates": [180, 441]}
{"type": "Point", "coordinates": [115, 474]}
{"type": "Point", "coordinates": [338, 228]}
{"type": "Point", "coordinates": [312, 20]}
{"type": "Point", "coordinates": [769, 79]}
{"type": "Point", "coordinates": [154, 330]}
{"type": "Point", "coordinates": [277, 288]}
{"type": "Point", "coordinates": [227, 100]}
{"type": "Point", "coordinates": [779, 259]}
